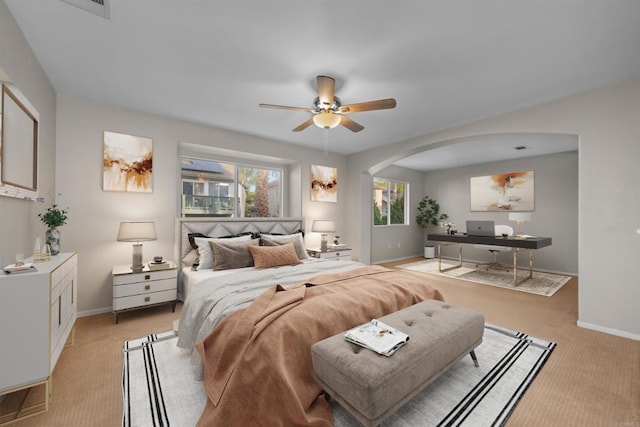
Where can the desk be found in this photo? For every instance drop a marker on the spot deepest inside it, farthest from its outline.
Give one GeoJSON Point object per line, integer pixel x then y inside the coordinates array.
{"type": "Point", "coordinates": [518, 244]}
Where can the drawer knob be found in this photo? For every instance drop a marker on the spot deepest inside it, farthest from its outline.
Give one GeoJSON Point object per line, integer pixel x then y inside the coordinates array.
{"type": "Point", "coordinates": [147, 276]}
{"type": "Point", "coordinates": [147, 287]}
{"type": "Point", "coordinates": [147, 299]}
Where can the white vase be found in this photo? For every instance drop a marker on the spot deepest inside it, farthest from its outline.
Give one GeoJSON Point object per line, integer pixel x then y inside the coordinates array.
{"type": "Point", "coordinates": [429, 252]}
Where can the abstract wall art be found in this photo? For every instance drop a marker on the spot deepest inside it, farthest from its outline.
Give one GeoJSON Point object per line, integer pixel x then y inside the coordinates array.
{"type": "Point", "coordinates": [324, 184]}
{"type": "Point", "coordinates": [504, 192]}
{"type": "Point", "coordinates": [128, 163]}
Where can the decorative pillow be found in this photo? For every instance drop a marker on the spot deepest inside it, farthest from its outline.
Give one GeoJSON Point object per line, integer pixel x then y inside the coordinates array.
{"type": "Point", "coordinates": [273, 256]}
{"type": "Point", "coordinates": [205, 252]}
{"type": "Point", "coordinates": [296, 239]}
{"type": "Point", "coordinates": [233, 254]}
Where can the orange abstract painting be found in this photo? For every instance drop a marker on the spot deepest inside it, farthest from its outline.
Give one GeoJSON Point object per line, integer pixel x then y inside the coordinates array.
{"type": "Point", "coordinates": [511, 191]}
{"type": "Point", "coordinates": [128, 163]}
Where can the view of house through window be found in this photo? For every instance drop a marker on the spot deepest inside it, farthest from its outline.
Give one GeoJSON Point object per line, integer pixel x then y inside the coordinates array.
{"type": "Point", "coordinates": [389, 202]}
{"type": "Point", "coordinates": [213, 188]}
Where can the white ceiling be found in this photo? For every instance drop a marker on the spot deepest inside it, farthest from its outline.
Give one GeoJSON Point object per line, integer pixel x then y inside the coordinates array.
{"type": "Point", "coordinates": [445, 62]}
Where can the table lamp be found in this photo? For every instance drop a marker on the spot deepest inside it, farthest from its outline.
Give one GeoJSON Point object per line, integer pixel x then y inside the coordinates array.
{"type": "Point", "coordinates": [137, 232]}
{"type": "Point", "coordinates": [520, 218]}
{"type": "Point", "coordinates": [323, 226]}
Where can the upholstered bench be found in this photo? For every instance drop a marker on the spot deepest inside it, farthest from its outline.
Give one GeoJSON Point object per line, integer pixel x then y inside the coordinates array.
{"type": "Point", "coordinates": [372, 386]}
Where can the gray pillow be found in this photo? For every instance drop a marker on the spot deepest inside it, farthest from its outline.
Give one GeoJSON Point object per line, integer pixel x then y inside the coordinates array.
{"type": "Point", "coordinates": [232, 254]}
{"type": "Point", "coordinates": [296, 239]}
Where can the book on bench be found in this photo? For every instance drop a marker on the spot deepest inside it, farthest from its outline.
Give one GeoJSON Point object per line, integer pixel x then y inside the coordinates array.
{"type": "Point", "coordinates": [377, 336]}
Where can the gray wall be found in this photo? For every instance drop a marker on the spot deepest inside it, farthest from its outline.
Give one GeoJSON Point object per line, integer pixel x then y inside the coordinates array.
{"type": "Point", "coordinates": [555, 215]}
{"type": "Point", "coordinates": [19, 224]}
{"type": "Point", "coordinates": [399, 241]}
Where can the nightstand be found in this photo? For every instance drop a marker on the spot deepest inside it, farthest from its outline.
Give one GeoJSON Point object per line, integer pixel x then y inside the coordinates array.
{"type": "Point", "coordinates": [339, 255]}
{"type": "Point", "coordinates": [133, 291]}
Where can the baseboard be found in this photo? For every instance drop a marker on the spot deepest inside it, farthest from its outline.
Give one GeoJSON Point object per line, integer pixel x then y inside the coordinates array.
{"type": "Point", "coordinates": [94, 311]}
{"type": "Point", "coordinates": [609, 331]}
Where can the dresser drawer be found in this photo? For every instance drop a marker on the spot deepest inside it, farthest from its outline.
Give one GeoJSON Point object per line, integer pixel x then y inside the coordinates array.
{"type": "Point", "coordinates": [145, 299]}
{"type": "Point", "coordinates": [143, 287]}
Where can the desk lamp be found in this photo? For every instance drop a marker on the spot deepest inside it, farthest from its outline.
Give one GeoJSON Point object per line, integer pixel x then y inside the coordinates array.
{"type": "Point", "coordinates": [520, 218]}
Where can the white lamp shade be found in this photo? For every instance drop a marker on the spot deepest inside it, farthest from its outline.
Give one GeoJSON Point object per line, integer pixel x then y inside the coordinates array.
{"type": "Point", "coordinates": [520, 216]}
{"type": "Point", "coordinates": [323, 226]}
{"type": "Point", "coordinates": [143, 231]}
{"type": "Point", "coordinates": [326, 119]}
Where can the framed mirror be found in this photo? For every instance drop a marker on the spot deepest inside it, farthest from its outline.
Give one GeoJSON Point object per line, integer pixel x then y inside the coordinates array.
{"type": "Point", "coordinates": [18, 145]}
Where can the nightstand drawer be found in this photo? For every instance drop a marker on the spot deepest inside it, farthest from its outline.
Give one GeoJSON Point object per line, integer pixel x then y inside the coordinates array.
{"type": "Point", "coordinates": [144, 287]}
{"type": "Point", "coordinates": [334, 255]}
{"type": "Point", "coordinates": [144, 299]}
{"type": "Point", "coordinates": [123, 279]}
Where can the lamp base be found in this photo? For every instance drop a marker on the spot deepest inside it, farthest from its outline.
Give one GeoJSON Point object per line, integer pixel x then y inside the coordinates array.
{"type": "Point", "coordinates": [323, 243]}
{"type": "Point", "coordinates": [136, 261]}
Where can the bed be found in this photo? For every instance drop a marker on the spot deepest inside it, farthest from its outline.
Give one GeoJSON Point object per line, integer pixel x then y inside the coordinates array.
{"type": "Point", "coordinates": [253, 326]}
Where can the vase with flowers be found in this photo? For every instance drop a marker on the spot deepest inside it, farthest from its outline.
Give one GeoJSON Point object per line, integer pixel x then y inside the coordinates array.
{"type": "Point", "coordinates": [450, 226]}
{"type": "Point", "coordinates": [53, 217]}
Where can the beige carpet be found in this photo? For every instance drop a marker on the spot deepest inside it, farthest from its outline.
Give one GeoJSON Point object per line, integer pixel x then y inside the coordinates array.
{"type": "Point", "coordinates": [591, 379]}
{"type": "Point", "coordinates": [540, 284]}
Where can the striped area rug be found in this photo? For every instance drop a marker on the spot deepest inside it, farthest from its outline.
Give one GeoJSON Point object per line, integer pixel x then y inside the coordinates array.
{"type": "Point", "coordinates": [160, 389]}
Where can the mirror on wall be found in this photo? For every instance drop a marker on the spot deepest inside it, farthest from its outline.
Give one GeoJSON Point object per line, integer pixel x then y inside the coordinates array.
{"type": "Point", "coordinates": [18, 144]}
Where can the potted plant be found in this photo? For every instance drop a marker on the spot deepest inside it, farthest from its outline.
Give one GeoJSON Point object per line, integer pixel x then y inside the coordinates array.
{"type": "Point", "coordinates": [53, 217]}
{"type": "Point", "coordinates": [429, 215]}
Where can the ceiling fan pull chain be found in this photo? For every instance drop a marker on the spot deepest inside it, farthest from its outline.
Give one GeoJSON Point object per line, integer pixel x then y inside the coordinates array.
{"type": "Point", "coordinates": [326, 142]}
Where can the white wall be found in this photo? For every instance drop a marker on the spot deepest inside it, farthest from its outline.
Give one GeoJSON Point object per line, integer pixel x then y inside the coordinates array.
{"type": "Point", "coordinates": [555, 215]}
{"type": "Point", "coordinates": [606, 122]}
{"type": "Point", "coordinates": [95, 215]}
{"type": "Point", "coordinates": [19, 224]}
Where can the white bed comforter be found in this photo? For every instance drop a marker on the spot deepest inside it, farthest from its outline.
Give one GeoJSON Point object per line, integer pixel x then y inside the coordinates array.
{"type": "Point", "coordinates": [216, 297]}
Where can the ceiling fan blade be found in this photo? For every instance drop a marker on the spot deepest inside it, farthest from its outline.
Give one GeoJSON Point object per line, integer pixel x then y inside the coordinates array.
{"type": "Point", "coordinates": [326, 90]}
{"type": "Point", "coordinates": [350, 124]}
{"type": "Point", "coordinates": [380, 104]}
{"type": "Point", "coordinates": [284, 107]}
{"type": "Point", "coordinates": [304, 125]}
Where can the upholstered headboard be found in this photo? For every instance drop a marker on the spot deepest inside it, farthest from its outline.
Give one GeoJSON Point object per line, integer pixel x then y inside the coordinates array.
{"type": "Point", "coordinates": [220, 227]}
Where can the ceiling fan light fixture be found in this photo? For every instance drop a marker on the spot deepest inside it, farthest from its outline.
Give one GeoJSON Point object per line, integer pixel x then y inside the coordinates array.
{"type": "Point", "coordinates": [326, 120]}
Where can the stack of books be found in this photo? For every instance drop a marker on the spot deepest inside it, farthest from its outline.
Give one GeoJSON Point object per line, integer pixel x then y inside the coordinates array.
{"type": "Point", "coordinates": [158, 265]}
{"type": "Point", "coordinates": [338, 247]}
{"type": "Point", "coordinates": [22, 268]}
{"type": "Point", "coordinates": [378, 337]}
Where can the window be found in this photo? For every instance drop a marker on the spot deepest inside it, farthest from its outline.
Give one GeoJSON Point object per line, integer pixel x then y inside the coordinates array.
{"type": "Point", "coordinates": [214, 188]}
{"type": "Point", "coordinates": [389, 202]}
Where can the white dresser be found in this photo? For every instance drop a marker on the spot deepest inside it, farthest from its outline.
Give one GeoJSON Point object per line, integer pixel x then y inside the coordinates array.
{"type": "Point", "coordinates": [38, 312]}
{"type": "Point", "coordinates": [132, 291]}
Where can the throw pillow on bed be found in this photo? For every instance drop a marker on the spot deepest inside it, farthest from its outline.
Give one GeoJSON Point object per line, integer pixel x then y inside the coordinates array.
{"type": "Point", "coordinates": [206, 253]}
{"type": "Point", "coordinates": [273, 256]}
{"type": "Point", "coordinates": [296, 239]}
{"type": "Point", "coordinates": [232, 254]}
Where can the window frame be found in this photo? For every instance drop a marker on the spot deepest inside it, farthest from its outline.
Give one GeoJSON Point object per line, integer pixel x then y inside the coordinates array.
{"type": "Point", "coordinates": [238, 212]}
{"type": "Point", "coordinates": [389, 182]}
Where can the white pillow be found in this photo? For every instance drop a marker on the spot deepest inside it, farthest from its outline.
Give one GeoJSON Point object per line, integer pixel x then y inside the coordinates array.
{"type": "Point", "coordinates": [205, 251]}
{"type": "Point", "coordinates": [296, 239]}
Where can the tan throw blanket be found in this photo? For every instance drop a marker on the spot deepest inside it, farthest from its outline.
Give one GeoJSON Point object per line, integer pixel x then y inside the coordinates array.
{"type": "Point", "coordinates": [257, 361]}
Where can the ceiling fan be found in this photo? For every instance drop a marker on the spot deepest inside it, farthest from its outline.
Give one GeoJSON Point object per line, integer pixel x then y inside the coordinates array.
{"type": "Point", "coordinates": [328, 112]}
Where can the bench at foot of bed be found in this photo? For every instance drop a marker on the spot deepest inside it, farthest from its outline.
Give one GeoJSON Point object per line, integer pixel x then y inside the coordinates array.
{"type": "Point", "coordinates": [372, 386]}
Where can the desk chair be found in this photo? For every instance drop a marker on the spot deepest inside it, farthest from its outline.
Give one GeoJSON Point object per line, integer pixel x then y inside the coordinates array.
{"type": "Point", "coordinates": [499, 229]}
